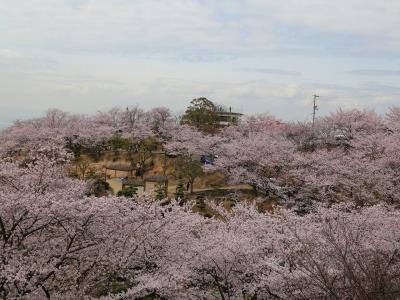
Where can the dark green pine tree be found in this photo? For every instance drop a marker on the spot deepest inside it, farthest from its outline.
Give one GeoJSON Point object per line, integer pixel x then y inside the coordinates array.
{"type": "Point", "coordinates": [128, 192]}
{"type": "Point", "coordinates": [160, 192]}
{"type": "Point", "coordinates": [180, 190]}
{"type": "Point", "coordinates": [200, 201]}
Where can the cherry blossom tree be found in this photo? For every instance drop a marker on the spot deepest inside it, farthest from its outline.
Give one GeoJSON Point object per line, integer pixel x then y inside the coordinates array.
{"type": "Point", "coordinates": [159, 117]}
{"type": "Point", "coordinates": [58, 242]}
{"type": "Point", "coordinates": [56, 128]}
{"type": "Point", "coordinates": [255, 152]}
{"type": "Point", "coordinates": [332, 253]}
{"type": "Point", "coordinates": [393, 118]}
{"type": "Point", "coordinates": [55, 239]}
{"type": "Point", "coordinates": [356, 163]}
{"type": "Point", "coordinates": [188, 144]}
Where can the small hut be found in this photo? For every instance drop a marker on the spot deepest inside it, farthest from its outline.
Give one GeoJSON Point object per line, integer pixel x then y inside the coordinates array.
{"type": "Point", "coordinates": [127, 169]}
{"type": "Point", "coordinates": [137, 183]}
{"type": "Point", "coordinates": [134, 182]}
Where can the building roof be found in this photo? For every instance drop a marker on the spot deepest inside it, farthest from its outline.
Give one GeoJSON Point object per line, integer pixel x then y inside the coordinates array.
{"type": "Point", "coordinates": [156, 178]}
{"type": "Point", "coordinates": [228, 113]}
{"type": "Point", "coordinates": [132, 182]}
{"type": "Point", "coordinates": [120, 167]}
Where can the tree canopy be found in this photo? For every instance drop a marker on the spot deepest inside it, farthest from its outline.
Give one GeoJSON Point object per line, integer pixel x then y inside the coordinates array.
{"type": "Point", "coordinates": [334, 233]}
{"type": "Point", "coordinates": [201, 114]}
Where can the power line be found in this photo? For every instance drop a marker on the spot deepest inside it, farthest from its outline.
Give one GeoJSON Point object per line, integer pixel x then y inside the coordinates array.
{"type": "Point", "coordinates": [315, 108]}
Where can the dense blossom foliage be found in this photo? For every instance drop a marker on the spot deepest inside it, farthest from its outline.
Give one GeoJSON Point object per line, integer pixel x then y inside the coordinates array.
{"type": "Point", "coordinates": [60, 128]}
{"type": "Point", "coordinates": [335, 253]}
{"type": "Point", "coordinates": [55, 240]}
{"type": "Point", "coordinates": [347, 156]}
{"type": "Point", "coordinates": [58, 242]}
{"type": "Point", "coordinates": [255, 152]}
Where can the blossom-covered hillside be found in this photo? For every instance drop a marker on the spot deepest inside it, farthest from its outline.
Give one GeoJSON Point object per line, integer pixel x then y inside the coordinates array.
{"type": "Point", "coordinates": [334, 232]}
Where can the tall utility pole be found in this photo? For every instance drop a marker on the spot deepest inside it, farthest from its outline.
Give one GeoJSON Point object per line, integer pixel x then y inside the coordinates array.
{"type": "Point", "coordinates": [315, 108]}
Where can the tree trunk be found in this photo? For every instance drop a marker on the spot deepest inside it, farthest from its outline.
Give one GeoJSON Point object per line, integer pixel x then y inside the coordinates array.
{"type": "Point", "coordinates": [191, 185]}
{"type": "Point", "coordinates": [254, 189]}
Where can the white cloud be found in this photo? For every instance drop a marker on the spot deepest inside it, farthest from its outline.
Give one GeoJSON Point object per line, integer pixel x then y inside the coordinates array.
{"type": "Point", "coordinates": [366, 17]}
{"type": "Point", "coordinates": [139, 25]}
{"type": "Point", "coordinates": [9, 57]}
{"type": "Point", "coordinates": [372, 72]}
{"type": "Point", "coordinates": [94, 54]}
{"type": "Point", "coordinates": [271, 71]}
{"type": "Point", "coordinates": [377, 22]}
{"type": "Point", "coordinates": [234, 26]}
{"type": "Point", "coordinates": [229, 27]}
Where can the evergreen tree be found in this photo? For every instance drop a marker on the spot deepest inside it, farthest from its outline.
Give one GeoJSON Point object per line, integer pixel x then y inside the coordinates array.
{"type": "Point", "coordinates": [200, 201]}
{"type": "Point", "coordinates": [128, 192]}
{"type": "Point", "coordinates": [180, 190]}
{"type": "Point", "coordinates": [160, 192]}
{"type": "Point", "coordinates": [201, 114]}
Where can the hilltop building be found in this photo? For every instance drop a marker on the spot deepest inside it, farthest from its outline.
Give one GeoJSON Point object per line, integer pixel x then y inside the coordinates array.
{"type": "Point", "coordinates": [226, 117]}
{"type": "Point", "coordinates": [207, 116]}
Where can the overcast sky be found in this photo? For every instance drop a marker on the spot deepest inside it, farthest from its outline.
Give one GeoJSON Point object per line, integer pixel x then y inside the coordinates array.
{"type": "Point", "coordinates": [254, 55]}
